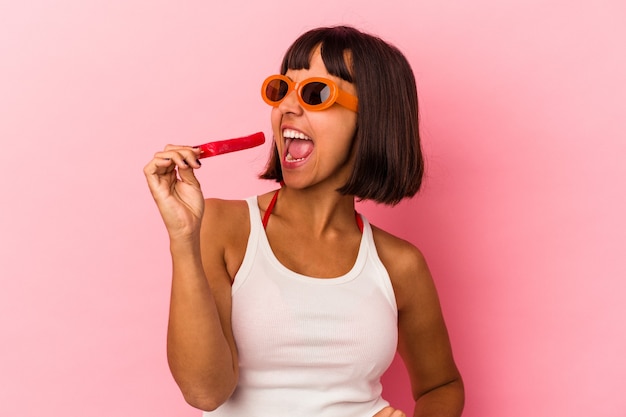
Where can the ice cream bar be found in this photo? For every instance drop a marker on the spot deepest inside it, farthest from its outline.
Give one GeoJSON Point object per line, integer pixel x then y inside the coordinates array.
{"type": "Point", "coordinates": [231, 145]}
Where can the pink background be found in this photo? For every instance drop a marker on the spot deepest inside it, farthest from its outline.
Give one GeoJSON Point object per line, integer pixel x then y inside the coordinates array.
{"type": "Point", "coordinates": [522, 216]}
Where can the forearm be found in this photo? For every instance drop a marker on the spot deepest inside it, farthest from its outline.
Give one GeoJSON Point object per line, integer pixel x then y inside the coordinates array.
{"type": "Point", "coordinates": [444, 401]}
{"type": "Point", "coordinates": [199, 355]}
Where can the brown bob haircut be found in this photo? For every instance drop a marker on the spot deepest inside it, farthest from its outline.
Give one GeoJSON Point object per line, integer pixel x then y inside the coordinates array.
{"type": "Point", "coordinates": [389, 164]}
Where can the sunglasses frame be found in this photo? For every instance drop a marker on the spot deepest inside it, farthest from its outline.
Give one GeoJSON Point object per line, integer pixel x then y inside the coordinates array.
{"type": "Point", "coordinates": [337, 95]}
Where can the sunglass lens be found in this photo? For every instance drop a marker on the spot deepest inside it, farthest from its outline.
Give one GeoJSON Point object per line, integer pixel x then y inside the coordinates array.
{"type": "Point", "coordinates": [315, 93]}
{"type": "Point", "coordinates": [276, 90]}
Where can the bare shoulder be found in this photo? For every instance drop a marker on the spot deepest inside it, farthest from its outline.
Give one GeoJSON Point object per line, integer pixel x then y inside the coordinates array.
{"type": "Point", "coordinates": [227, 214]}
{"type": "Point", "coordinates": [400, 257]}
{"type": "Point", "coordinates": [225, 230]}
{"type": "Point", "coordinates": [400, 252]}
{"type": "Point", "coordinates": [405, 264]}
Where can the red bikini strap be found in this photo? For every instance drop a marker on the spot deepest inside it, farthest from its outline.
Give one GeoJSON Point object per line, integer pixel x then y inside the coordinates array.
{"type": "Point", "coordinates": [269, 209]}
{"type": "Point", "coordinates": [359, 221]}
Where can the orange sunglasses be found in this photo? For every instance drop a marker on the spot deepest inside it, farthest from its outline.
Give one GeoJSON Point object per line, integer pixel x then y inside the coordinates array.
{"type": "Point", "coordinates": [313, 93]}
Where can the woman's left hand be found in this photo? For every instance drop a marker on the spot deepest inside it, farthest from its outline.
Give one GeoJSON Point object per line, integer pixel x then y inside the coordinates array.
{"type": "Point", "coordinates": [389, 412]}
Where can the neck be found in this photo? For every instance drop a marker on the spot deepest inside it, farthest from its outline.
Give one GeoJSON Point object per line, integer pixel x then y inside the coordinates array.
{"type": "Point", "coordinates": [316, 212]}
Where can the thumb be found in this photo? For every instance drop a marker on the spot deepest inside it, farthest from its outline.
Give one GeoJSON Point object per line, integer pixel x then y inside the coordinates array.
{"type": "Point", "coordinates": [188, 176]}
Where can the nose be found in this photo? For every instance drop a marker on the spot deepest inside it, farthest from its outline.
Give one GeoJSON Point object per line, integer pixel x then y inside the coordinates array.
{"type": "Point", "coordinates": [290, 103]}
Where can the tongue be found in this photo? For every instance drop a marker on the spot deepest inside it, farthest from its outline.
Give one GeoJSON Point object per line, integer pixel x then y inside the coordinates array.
{"type": "Point", "coordinates": [299, 149]}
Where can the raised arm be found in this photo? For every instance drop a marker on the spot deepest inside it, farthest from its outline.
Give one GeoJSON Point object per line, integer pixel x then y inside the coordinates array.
{"type": "Point", "coordinates": [200, 347]}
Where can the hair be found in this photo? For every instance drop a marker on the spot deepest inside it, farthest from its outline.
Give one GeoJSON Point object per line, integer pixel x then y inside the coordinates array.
{"type": "Point", "coordinates": [389, 165]}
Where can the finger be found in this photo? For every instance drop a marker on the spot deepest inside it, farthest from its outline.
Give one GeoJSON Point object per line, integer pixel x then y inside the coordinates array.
{"type": "Point", "coordinates": [188, 176]}
{"type": "Point", "coordinates": [159, 166]}
{"type": "Point", "coordinates": [159, 179]}
{"type": "Point", "coordinates": [188, 153]}
{"type": "Point", "coordinates": [170, 147]}
{"type": "Point", "coordinates": [390, 412]}
{"type": "Point", "coordinates": [385, 412]}
{"type": "Point", "coordinates": [183, 158]}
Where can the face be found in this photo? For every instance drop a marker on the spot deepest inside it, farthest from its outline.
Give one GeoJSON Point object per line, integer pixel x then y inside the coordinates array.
{"type": "Point", "coordinates": [314, 146]}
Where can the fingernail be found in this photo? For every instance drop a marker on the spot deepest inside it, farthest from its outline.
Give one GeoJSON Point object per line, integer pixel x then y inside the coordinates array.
{"type": "Point", "coordinates": [198, 161]}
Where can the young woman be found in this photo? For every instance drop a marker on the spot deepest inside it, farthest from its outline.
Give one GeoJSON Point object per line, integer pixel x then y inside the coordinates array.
{"type": "Point", "coordinates": [290, 303]}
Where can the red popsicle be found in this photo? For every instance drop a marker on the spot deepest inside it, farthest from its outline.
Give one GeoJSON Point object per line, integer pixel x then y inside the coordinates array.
{"type": "Point", "coordinates": [231, 145]}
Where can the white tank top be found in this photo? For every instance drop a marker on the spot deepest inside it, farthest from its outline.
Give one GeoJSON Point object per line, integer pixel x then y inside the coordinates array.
{"type": "Point", "coordinates": [310, 347]}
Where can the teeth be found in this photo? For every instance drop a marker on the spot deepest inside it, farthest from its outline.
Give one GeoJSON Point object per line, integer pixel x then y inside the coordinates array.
{"type": "Point", "coordinates": [293, 134]}
{"type": "Point", "coordinates": [290, 158]}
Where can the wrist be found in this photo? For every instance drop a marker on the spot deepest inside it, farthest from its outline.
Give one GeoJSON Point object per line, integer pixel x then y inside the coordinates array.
{"type": "Point", "coordinates": [185, 243]}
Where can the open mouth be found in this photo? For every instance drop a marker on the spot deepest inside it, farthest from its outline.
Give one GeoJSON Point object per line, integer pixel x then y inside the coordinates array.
{"type": "Point", "coordinates": [298, 146]}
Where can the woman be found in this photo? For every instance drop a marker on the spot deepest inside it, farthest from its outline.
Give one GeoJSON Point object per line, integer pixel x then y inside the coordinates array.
{"type": "Point", "coordinates": [291, 303]}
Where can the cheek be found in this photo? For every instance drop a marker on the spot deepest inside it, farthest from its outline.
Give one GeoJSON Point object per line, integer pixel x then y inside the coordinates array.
{"type": "Point", "coordinates": [275, 117]}
{"type": "Point", "coordinates": [339, 124]}
{"type": "Point", "coordinates": [346, 130]}
{"type": "Point", "coordinates": [351, 126]}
